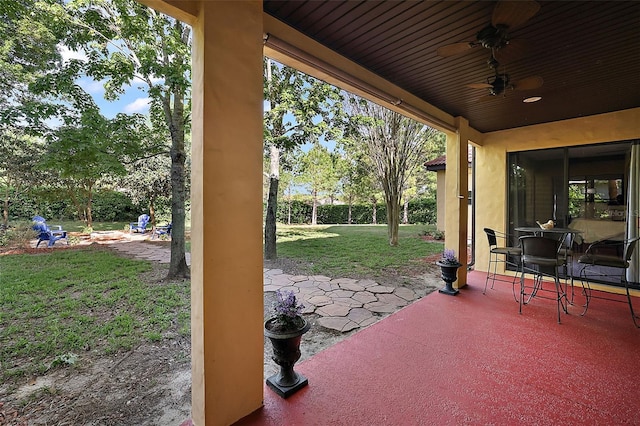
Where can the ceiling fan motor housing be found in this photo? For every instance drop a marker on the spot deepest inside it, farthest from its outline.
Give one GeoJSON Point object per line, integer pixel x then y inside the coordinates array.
{"type": "Point", "coordinates": [499, 84]}
{"type": "Point", "coordinates": [493, 37]}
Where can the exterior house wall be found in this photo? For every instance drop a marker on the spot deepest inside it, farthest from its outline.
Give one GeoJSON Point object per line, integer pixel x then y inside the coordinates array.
{"type": "Point", "coordinates": [491, 161]}
{"type": "Point", "coordinates": [440, 196]}
{"type": "Point", "coordinates": [440, 174]}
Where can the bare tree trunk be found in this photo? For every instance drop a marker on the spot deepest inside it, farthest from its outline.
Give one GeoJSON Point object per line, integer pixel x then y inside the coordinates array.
{"type": "Point", "coordinates": [270, 251]}
{"type": "Point", "coordinates": [89, 215]}
{"type": "Point", "coordinates": [393, 221]}
{"type": "Point", "coordinates": [178, 267]}
{"type": "Point", "coordinates": [289, 211]}
{"type": "Point", "coordinates": [5, 207]}
{"type": "Point", "coordinates": [314, 208]}
{"type": "Point", "coordinates": [405, 214]}
{"type": "Point", "coordinates": [349, 218]}
{"type": "Point", "coordinates": [152, 213]}
{"type": "Point", "coordinates": [76, 203]}
{"type": "Point", "coordinates": [375, 212]}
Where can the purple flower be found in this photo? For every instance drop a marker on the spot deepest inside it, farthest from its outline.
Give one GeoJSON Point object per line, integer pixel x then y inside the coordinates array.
{"type": "Point", "coordinates": [449, 256]}
{"type": "Point", "coordinates": [287, 310]}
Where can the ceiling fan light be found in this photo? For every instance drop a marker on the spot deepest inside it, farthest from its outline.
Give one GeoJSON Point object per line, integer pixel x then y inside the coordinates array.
{"type": "Point", "coordinates": [532, 99]}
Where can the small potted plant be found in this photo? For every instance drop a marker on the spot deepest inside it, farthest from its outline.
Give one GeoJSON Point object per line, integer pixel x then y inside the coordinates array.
{"type": "Point", "coordinates": [285, 329]}
{"type": "Point", "coordinates": [449, 268]}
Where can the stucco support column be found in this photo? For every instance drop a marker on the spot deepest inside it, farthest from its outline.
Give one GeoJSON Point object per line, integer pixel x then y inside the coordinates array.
{"type": "Point", "coordinates": [226, 202]}
{"type": "Point", "coordinates": [456, 196]}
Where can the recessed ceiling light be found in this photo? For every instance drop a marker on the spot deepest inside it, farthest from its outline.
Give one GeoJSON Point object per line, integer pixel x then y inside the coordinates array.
{"type": "Point", "coordinates": [532, 99]}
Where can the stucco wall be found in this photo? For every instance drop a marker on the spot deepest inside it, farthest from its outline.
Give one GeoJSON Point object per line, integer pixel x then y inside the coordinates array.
{"type": "Point", "coordinates": [440, 197]}
{"type": "Point", "coordinates": [491, 160]}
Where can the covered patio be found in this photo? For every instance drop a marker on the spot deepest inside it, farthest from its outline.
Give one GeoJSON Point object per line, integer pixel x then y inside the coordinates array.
{"type": "Point", "coordinates": [472, 359]}
{"type": "Point", "coordinates": [463, 359]}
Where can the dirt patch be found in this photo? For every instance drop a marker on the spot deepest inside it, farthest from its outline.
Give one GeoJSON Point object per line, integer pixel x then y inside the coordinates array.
{"type": "Point", "coordinates": [151, 385]}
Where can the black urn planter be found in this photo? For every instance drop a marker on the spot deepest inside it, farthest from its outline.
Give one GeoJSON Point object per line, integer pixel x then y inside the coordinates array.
{"type": "Point", "coordinates": [286, 352]}
{"type": "Point", "coordinates": [449, 275]}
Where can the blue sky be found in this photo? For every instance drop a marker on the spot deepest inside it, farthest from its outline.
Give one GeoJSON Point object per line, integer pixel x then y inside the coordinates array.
{"type": "Point", "coordinates": [134, 100]}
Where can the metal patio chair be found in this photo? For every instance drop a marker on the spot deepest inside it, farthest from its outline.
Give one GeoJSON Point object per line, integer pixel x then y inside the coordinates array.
{"type": "Point", "coordinates": [501, 254]}
{"type": "Point", "coordinates": [597, 265]}
{"type": "Point", "coordinates": [540, 258]}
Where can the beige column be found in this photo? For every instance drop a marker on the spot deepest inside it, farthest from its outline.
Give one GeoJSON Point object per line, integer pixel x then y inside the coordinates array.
{"type": "Point", "coordinates": [457, 196]}
{"type": "Point", "coordinates": [226, 202]}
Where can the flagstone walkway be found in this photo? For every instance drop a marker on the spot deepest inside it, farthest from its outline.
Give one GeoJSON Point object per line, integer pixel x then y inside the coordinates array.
{"type": "Point", "coordinates": [343, 304]}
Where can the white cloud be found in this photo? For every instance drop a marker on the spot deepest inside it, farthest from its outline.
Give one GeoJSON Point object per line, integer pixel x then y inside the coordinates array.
{"type": "Point", "coordinates": [91, 86]}
{"type": "Point", "coordinates": [68, 54]}
{"type": "Point", "coordinates": [139, 105]}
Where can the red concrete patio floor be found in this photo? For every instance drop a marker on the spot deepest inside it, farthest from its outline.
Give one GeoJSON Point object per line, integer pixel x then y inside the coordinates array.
{"type": "Point", "coordinates": [472, 359]}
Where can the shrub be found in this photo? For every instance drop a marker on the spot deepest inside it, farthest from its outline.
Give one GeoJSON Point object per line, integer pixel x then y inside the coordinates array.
{"type": "Point", "coordinates": [421, 210]}
{"type": "Point", "coordinates": [17, 236]}
{"type": "Point", "coordinates": [112, 206]}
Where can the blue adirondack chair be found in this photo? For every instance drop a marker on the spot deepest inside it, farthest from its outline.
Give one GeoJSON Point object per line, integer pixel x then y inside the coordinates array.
{"type": "Point", "coordinates": [140, 225]}
{"type": "Point", "coordinates": [45, 233]}
{"type": "Point", "coordinates": [159, 231]}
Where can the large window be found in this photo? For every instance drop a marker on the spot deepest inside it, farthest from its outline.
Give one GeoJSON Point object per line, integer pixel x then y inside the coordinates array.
{"type": "Point", "coordinates": [580, 187]}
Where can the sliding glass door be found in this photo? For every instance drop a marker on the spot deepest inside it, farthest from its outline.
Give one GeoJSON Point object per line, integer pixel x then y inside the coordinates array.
{"type": "Point", "coordinates": [583, 188]}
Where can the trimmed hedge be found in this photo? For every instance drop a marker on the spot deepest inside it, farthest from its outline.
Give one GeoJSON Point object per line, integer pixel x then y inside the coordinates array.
{"type": "Point", "coordinates": [106, 206]}
{"type": "Point", "coordinates": [421, 210]}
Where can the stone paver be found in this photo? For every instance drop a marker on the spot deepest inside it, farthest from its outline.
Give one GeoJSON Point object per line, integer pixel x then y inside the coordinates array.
{"type": "Point", "coordinates": [333, 310]}
{"type": "Point", "coordinates": [338, 323]}
{"type": "Point", "coordinates": [343, 304]}
{"type": "Point", "coordinates": [406, 293]}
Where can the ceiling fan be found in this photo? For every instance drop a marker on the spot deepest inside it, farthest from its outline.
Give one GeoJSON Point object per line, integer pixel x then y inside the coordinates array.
{"type": "Point", "coordinates": [499, 83]}
{"type": "Point", "coordinates": [506, 16]}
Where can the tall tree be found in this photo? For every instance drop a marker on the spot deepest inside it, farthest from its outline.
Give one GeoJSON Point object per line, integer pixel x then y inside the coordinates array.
{"type": "Point", "coordinates": [300, 108]}
{"type": "Point", "coordinates": [128, 43]}
{"type": "Point", "coordinates": [149, 181]}
{"type": "Point", "coordinates": [27, 52]}
{"type": "Point", "coordinates": [355, 174]}
{"type": "Point", "coordinates": [318, 175]}
{"type": "Point", "coordinates": [396, 146]}
{"type": "Point", "coordinates": [91, 149]}
{"type": "Point", "coordinates": [19, 158]}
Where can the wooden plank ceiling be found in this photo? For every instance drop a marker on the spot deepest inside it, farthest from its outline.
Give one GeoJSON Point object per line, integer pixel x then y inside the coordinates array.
{"type": "Point", "coordinates": [587, 53]}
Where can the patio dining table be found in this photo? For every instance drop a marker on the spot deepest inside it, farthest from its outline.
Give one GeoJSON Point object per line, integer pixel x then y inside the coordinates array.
{"type": "Point", "coordinates": [536, 230]}
{"type": "Point", "coordinates": [561, 235]}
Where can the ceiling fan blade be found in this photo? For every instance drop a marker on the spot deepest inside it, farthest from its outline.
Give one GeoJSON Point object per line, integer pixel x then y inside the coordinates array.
{"type": "Point", "coordinates": [454, 49]}
{"type": "Point", "coordinates": [512, 14]}
{"type": "Point", "coordinates": [528, 83]}
{"type": "Point", "coordinates": [479, 86]}
{"type": "Point", "coordinates": [513, 51]}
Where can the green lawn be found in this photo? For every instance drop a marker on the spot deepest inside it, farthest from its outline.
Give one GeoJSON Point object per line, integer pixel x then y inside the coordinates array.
{"type": "Point", "coordinates": [354, 250]}
{"type": "Point", "coordinates": [79, 226]}
{"type": "Point", "coordinates": [56, 305]}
